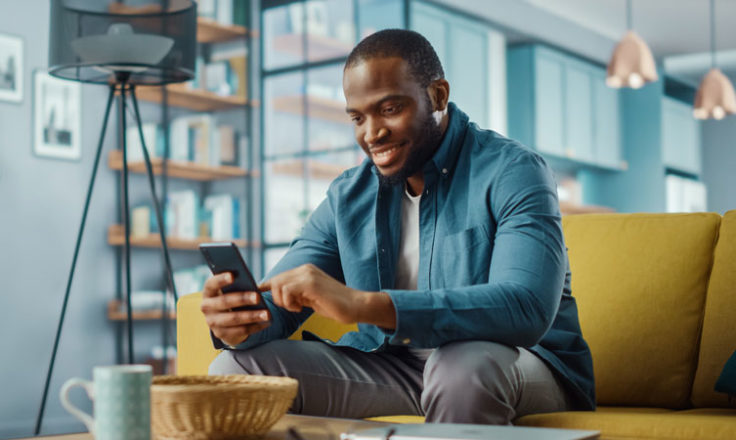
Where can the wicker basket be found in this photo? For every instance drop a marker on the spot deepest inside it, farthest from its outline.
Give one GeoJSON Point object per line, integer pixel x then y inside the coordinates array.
{"type": "Point", "coordinates": [218, 407]}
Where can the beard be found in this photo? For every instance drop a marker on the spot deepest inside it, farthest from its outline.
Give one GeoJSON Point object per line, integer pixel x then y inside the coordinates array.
{"type": "Point", "coordinates": [430, 135]}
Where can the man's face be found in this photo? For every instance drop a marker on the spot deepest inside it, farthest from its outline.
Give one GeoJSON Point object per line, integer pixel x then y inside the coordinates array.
{"type": "Point", "coordinates": [392, 116]}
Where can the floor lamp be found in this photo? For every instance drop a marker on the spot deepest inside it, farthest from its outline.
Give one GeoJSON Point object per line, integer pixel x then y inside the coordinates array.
{"type": "Point", "coordinates": [122, 46]}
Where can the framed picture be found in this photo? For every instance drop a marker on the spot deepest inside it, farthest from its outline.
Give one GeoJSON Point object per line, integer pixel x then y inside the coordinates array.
{"type": "Point", "coordinates": [11, 68]}
{"type": "Point", "coordinates": [57, 118]}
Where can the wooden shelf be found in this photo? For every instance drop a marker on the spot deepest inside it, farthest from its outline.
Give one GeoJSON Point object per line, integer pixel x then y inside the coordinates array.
{"type": "Point", "coordinates": [318, 107]}
{"type": "Point", "coordinates": [318, 47]}
{"type": "Point", "coordinates": [116, 237]}
{"type": "Point", "coordinates": [179, 169]}
{"type": "Point", "coordinates": [567, 208]}
{"type": "Point", "coordinates": [116, 312]}
{"type": "Point", "coordinates": [193, 99]}
{"type": "Point", "coordinates": [210, 31]}
{"type": "Point", "coordinates": [316, 169]}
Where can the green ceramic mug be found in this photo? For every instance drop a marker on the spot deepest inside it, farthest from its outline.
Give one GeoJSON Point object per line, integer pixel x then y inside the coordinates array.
{"type": "Point", "coordinates": [122, 402]}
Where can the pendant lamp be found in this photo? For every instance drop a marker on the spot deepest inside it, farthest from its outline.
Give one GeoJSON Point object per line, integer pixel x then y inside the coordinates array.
{"type": "Point", "coordinates": [632, 64]}
{"type": "Point", "coordinates": [715, 98]}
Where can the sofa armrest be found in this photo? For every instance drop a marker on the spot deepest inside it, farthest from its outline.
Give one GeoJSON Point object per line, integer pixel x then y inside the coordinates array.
{"type": "Point", "coordinates": [194, 346]}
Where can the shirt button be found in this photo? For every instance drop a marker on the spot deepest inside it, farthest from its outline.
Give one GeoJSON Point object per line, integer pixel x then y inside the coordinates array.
{"type": "Point", "coordinates": [444, 170]}
{"type": "Point", "coordinates": [426, 192]}
{"type": "Point", "coordinates": [406, 341]}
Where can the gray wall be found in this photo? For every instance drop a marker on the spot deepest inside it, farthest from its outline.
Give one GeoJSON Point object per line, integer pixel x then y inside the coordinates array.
{"type": "Point", "coordinates": [719, 163]}
{"type": "Point", "coordinates": [41, 202]}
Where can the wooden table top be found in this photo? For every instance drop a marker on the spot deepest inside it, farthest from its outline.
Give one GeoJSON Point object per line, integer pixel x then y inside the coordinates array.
{"type": "Point", "coordinates": [312, 428]}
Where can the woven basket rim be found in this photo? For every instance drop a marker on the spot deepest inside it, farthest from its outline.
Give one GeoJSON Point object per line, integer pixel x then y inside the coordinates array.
{"type": "Point", "coordinates": [173, 383]}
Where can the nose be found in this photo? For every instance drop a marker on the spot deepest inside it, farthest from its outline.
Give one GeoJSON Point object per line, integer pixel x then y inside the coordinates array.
{"type": "Point", "coordinates": [374, 133]}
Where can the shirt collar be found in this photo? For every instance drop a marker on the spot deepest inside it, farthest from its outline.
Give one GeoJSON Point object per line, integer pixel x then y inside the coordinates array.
{"type": "Point", "coordinates": [443, 160]}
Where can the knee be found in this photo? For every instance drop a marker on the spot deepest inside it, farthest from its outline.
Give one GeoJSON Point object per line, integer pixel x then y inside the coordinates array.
{"type": "Point", "coordinates": [227, 363]}
{"type": "Point", "coordinates": [464, 373]}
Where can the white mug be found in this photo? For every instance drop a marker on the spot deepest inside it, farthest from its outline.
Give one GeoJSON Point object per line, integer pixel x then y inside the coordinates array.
{"type": "Point", "coordinates": [122, 402]}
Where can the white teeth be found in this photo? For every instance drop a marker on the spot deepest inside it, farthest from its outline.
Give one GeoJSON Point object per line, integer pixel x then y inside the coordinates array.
{"type": "Point", "coordinates": [384, 153]}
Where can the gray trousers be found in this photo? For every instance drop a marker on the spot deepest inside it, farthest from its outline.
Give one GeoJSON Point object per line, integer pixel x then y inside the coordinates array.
{"type": "Point", "coordinates": [461, 382]}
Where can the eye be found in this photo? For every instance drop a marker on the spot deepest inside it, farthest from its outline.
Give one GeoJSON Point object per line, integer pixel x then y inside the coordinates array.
{"type": "Point", "coordinates": [355, 119]}
{"type": "Point", "coordinates": [392, 109]}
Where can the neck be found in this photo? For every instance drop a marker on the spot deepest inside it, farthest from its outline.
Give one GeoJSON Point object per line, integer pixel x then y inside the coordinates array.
{"type": "Point", "coordinates": [415, 183]}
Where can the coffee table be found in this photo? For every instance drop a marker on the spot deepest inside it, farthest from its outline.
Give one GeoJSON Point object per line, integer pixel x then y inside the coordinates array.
{"type": "Point", "coordinates": [326, 428]}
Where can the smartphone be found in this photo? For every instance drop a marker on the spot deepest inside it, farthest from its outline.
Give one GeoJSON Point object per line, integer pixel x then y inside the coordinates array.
{"type": "Point", "coordinates": [225, 257]}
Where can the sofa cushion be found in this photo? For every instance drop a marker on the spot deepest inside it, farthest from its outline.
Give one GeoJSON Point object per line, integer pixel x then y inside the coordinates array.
{"type": "Point", "coordinates": [719, 325]}
{"type": "Point", "coordinates": [640, 282]}
{"type": "Point", "coordinates": [643, 423]}
{"type": "Point", "coordinates": [194, 346]}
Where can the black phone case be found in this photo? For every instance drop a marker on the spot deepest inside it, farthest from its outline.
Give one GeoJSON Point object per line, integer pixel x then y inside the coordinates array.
{"type": "Point", "coordinates": [225, 257]}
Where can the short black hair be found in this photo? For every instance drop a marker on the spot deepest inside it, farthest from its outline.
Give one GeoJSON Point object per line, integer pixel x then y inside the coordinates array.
{"type": "Point", "coordinates": [424, 64]}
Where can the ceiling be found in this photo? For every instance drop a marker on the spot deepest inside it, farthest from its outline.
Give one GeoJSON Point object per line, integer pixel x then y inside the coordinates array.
{"type": "Point", "coordinates": [677, 31]}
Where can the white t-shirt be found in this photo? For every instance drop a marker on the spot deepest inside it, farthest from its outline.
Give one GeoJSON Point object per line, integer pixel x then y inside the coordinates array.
{"type": "Point", "coordinates": [407, 267]}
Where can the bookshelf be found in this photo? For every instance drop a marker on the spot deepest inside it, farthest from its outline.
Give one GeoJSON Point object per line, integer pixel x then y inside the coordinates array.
{"type": "Point", "coordinates": [198, 100]}
{"type": "Point", "coordinates": [197, 118]}
{"type": "Point", "coordinates": [317, 107]}
{"type": "Point", "coordinates": [318, 47]}
{"type": "Point", "coordinates": [210, 31]}
{"type": "Point", "coordinates": [116, 312]}
{"type": "Point", "coordinates": [116, 237]}
{"type": "Point", "coordinates": [180, 169]}
{"type": "Point", "coordinates": [316, 169]}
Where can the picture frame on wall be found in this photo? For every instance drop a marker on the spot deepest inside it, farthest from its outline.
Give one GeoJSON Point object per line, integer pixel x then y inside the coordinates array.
{"type": "Point", "coordinates": [11, 68]}
{"type": "Point", "coordinates": [57, 117]}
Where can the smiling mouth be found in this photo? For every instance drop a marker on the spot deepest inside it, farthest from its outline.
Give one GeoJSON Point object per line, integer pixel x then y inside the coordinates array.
{"type": "Point", "coordinates": [386, 156]}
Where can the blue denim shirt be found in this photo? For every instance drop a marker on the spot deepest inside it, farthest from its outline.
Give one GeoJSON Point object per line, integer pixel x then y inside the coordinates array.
{"type": "Point", "coordinates": [492, 266]}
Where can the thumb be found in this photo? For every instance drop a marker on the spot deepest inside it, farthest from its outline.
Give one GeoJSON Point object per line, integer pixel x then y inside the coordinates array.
{"type": "Point", "coordinates": [265, 286]}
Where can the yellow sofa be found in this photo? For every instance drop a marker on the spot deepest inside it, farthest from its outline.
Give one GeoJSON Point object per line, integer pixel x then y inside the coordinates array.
{"type": "Point", "coordinates": [657, 303]}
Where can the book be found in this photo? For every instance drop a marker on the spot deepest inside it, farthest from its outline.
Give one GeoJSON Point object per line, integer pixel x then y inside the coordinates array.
{"type": "Point", "coordinates": [152, 135]}
{"type": "Point", "coordinates": [182, 214]}
{"type": "Point", "coordinates": [223, 215]}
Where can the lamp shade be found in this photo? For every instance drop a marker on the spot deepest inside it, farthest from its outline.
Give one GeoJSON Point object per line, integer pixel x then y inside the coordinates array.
{"type": "Point", "coordinates": [151, 42]}
{"type": "Point", "coordinates": [715, 97]}
{"type": "Point", "coordinates": [632, 64]}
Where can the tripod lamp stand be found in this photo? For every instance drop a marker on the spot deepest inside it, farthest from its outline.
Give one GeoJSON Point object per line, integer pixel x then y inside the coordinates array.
{"type": "Point", "coordinates": [121, 45]}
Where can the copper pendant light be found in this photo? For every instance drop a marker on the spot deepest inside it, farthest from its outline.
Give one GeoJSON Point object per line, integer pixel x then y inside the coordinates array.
{"type": "Point", "coordinates": [715, 98]}
{"type": "Point", "coordinates": [632, 64]}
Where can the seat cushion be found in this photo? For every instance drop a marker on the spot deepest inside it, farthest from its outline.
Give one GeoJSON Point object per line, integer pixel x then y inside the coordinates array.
{"type": "Point", "coordinates": [195, 351]}
{"type": "Point", "coordinates": [643, 423]}
{"type": "Point", "coordinates": [719, 324]}
{"type": "Point", "coordinates": [640, 282]}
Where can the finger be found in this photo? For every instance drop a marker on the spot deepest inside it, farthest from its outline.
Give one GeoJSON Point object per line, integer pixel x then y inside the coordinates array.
{"type": "Point", "coordinates": [236, 318]}
{"type": "Point", "coordinates": [230, 301]}
{"type": "Point", "coordinates": [215, 283]}
{"type": "Point", "coordinates": [290, 298]}
{"type": "Point", "coordinates": [237, 335]}
{"type": "Point", "coordinates": [265, 286]}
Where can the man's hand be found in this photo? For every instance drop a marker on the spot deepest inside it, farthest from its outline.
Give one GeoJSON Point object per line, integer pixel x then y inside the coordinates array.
{"type": "Point", "coordinates": [232, 327]}
{"type": "Point", "coordinates": [308, 286]}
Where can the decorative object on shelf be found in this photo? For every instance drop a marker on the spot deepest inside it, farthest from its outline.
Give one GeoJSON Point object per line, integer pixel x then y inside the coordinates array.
{"type": "Point", "coordinates": [57, 117]}
{"type": "Point", "coordinates": [632, 64]}
{"type": "Point", "coordinates": [11, 68]}
{"type": "Point", "coordinates": [121, 46]}
{"type": "Point", "coordinates": [715, 98]}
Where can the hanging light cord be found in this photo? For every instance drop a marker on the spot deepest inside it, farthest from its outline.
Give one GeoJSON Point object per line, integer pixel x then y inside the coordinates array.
{"type": "Point", "coordinates": [713, 33]}
{"type": "Point", "coordinates": [628, 15]}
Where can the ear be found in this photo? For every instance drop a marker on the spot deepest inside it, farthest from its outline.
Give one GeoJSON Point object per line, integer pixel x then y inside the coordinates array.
{"type": "Point", "coordinates": [439, 94]}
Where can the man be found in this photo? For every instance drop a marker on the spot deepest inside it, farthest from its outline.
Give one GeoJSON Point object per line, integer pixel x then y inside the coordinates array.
{"type": "Point", "coordinates": [445, 247]}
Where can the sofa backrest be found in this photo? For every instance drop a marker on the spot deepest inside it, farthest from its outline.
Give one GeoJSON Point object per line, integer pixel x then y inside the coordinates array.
{"type": "Point", "coordinates": [640, 282]}
{"type": "Point", "coordinates": [718, 340]}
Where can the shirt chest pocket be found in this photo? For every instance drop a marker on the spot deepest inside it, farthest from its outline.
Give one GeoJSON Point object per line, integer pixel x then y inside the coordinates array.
{"type": "Point", "coordinates": [463, 258]}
